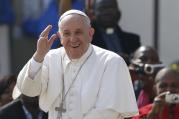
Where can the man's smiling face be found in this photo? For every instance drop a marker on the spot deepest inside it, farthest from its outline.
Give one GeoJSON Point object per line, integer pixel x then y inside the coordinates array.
{"type": "Point", "coordinates": [76, 35]}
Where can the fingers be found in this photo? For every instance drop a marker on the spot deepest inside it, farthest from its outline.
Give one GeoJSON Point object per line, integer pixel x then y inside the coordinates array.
{"type": "Point", "coordinates": [46, 31]}
{"type": "Point", "coordinates": [162, 95]}
{"type": "Point", "coordinates": [52, 39]}
{"type": "Point", "coordinates": [58, 34]}
{"type": "Point", "coordinates": [43, 41]}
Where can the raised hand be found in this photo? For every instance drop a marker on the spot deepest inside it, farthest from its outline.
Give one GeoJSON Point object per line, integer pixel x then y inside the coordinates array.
{"type": "Point", "coordinates": [44, 44]}
{"type": "Point", "coordinates": [158, 105]}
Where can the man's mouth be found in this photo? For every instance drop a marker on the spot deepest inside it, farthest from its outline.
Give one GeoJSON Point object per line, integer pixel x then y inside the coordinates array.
{"type": "Point", "coordinates": [75, 45]}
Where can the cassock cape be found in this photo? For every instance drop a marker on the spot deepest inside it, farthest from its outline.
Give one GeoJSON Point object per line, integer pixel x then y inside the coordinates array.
{"type": "Point", "coordinates": [107, 83]}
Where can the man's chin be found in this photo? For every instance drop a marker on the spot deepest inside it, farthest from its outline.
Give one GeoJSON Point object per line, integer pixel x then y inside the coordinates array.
{"type": "Point", "coordinates": [75, 56]}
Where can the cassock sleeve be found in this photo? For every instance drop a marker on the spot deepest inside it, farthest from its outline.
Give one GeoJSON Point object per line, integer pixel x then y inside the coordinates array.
{"type": "Point", "coordinates": [34, 68]}
{"type": "Point", "coordinates": [31, 85]}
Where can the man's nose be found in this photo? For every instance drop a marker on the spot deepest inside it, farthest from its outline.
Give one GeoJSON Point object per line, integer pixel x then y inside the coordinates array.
{"type": "Point", "coordinates": [73, 38]}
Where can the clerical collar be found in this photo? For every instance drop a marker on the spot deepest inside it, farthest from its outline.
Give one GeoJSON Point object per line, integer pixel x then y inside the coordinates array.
{"type": "Point", "coordinates": [81, 59]}
{"type": "Point", "coordinates": [109, 30]}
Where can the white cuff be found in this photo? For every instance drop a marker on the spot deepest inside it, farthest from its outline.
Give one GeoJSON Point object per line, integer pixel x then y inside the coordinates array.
{"type": "Point", "coordinates": [34, 68]}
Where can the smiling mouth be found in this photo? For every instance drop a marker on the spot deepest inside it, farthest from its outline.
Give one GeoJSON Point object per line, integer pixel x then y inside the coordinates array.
{"type": "Point", "coordinates": [75, 46]}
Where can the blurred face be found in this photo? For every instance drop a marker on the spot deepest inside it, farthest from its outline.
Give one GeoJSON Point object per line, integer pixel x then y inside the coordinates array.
{"type": "Point", "coordinates": [75, 35]}
{"type": "Point", "coordinates": [144, 55]}
{"type": "Point", "coordinates": [169, 83]}
{"type": "Point", "coordinates": [107, 13]}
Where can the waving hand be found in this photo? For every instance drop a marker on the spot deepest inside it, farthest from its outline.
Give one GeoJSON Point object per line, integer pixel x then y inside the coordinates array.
{"type": "Point", "coordinates": [44, 44]}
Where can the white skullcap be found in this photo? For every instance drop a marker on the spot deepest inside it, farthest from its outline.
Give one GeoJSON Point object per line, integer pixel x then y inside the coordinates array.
{"type": "Point", "coordinates": [16, 92]}
{"type": "Point", "coordinates": [73, 11]}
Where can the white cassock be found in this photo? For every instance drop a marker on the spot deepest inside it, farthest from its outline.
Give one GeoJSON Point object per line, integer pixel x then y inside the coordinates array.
{"type": "Point", "coordinates": [96, 86]}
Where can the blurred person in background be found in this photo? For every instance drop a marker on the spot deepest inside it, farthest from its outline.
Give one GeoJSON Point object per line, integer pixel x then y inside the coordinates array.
{"type": "Point", "coordinates": [22, 107]}
{"type": "Point", "coordinates": [71, 4]}
{"type": "Point", "coordinates": [36, 15]}
{"type": "Point", "coordinates": [144, 65]}
{"type": "Point", "coordinates": [89, 9]}
{"type": "Point", "coordinates": [166, 102]}
{"type": "Point", "coordinates": [83, 5]}
{"type": "Point", "coordinates": [7, 84]}
{"type": "Point", "coordinates": [108, 34]}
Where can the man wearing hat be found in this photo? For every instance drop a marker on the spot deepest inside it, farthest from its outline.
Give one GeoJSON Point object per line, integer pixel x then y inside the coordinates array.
{"type": "Point", "coordinates": [78, 80]}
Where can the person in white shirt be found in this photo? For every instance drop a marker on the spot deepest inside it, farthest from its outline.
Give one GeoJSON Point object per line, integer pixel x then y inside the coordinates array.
{"type": "Point", "coordinates": [78, 80]}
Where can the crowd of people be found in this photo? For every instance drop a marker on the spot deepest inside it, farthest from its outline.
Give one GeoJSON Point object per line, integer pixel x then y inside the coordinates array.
{"type": "Point", "coordinates": [95, 71]}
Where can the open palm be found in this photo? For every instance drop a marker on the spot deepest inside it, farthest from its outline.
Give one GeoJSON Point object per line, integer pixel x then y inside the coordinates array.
{"type": "Point", "coordinates": [44, 44]}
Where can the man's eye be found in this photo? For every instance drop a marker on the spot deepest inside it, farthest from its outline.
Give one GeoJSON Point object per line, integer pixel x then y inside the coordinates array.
{"type": "Point", "coordinates": [78, 32]}
{"type": "Point", "coordinates": [66, 34]}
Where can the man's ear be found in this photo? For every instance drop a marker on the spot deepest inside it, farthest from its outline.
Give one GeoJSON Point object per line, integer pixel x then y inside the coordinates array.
{"type": "Point", "coordinates": [59, 36]}
{"type": "Point", "coordinates": [61, 41]}
{"type": "Point", "coordinates": [91, 33]}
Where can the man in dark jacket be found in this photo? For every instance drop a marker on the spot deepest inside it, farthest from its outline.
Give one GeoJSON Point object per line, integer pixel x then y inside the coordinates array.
{"type": "Point", "coordinates": [108, 33]}
{"type": "Point", "coordinates": [22, 108]}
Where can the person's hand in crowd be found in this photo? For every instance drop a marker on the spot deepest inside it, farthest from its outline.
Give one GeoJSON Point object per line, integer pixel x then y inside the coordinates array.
{"type": "Point", "coordinates": [159, 102]}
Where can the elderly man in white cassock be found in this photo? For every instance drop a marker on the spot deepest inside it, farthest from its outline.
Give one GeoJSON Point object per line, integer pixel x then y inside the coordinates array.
{"type": "Point", "coordinates": [78, 80]}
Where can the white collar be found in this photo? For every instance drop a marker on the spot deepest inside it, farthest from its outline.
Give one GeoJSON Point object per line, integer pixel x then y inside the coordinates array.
{"type": "Point", "coordinates": [67, 60]}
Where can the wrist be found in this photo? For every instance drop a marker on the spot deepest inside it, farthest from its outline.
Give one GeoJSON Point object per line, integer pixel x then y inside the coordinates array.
{"type": "Point", "coordinates": [38, 58]}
